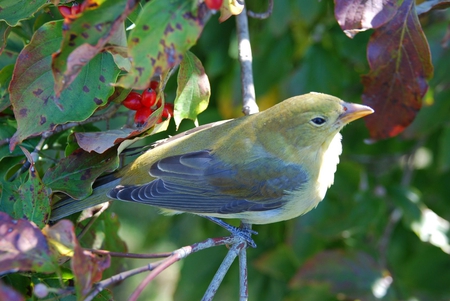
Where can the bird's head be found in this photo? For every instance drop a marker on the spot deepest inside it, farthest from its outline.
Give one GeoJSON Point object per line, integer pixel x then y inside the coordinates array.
{"type": "Point", "coordinates": [312, 119]}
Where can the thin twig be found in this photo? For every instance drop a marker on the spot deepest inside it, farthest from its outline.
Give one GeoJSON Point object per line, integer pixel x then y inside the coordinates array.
{"type": "Point", "coordinates": [245, 59]}
{"type": "Point", "coordinates": [92, 220]}
{"type": "Point", "coordinates": [263, 15]}
{"type": "Point", "coordinates": [177, 255]}
{"type": "Point", "coordinates": [100, 286]}
{"type": "Point", "coordinates": [243, 277]}
{"type": "Point", "coordinates": [62, 127]}
{"type": "Point", "coordinates": [208, 243]}
{"type": "Point", "coordinates": [130, 255]}
{"type": "Point", "coordinates": [27, 164]}
{"type": "Point", "coordinates": [223, 269]}
{"type": "Point", "coordinates": [394, 218]}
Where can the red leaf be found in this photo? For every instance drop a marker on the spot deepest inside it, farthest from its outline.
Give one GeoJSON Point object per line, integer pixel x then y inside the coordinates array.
{"type": "Point", "coordinates": [23, 247]}
{"type": "Point", "coordinates": [357, 15]}
{"type": "Point", "coordinates": [400, 62]}
{"type": "Point", "coordinates": [88, 269]}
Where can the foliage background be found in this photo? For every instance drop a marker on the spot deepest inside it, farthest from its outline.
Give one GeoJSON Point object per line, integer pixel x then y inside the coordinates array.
{"type": "Point", "coordinates": [382, 230]}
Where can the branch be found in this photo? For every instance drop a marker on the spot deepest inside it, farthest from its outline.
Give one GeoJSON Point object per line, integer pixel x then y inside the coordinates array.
{"type": "Point", "coordinates": [245, 60]}
{"type": "Point", "coordinates": [426, 6]}
{"type": "Point", "coordinates": [223, 269]}
{"type": "Point", "coordinates": [171, 258]}
{"type": "Point", "coordinates": [243, 279]}
{"type": "Point", "coordinates": [263, 15]}
{"type": "Point", "coordinates": [62, 127]}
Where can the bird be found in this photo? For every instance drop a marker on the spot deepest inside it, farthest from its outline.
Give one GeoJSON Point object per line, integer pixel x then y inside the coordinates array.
{"type": "Point", "coordinates": [267, 167]}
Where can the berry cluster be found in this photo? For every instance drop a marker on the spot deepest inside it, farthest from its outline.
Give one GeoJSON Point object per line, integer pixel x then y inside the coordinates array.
{"type": "Point", "coordinates": [69, 12]}
{"type": "Point", "coordinates": [146, 103]}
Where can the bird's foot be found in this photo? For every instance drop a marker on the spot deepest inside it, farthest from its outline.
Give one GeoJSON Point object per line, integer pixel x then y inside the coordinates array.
{"type": "Point", "coordinates": [244, 233]}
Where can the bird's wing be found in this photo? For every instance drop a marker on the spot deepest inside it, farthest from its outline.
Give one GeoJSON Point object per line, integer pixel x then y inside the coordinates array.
{"type": "Point", "coordinates": [199, 182]}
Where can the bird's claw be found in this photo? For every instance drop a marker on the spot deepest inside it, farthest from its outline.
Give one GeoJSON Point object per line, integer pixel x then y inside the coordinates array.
{"type": "Point", "coordinates": [245, 234]}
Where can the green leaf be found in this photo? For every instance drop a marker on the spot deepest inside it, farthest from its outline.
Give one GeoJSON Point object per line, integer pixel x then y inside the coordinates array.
{"type": "Point", "coordinates": [10, 202]}
{"type": "Point", "coordinates": [35, 106]}
{"type": "Point", "coordinates": [279, 263]}
{"type": "Point", "coordinates": [85, 36]}
{"type": "Point", "coordinates": [352, 275]}
{"type": "Point", "coordinates": [164, 31]}
{"type": "Point", "coordinates": [35, 199]}
{"type": "Point", "coordinates": [75, 174]}
{"type": "Point", "coordinates": [193, 90]}
{"type": "Point", "coordinates": [5, 78]}
{"type": "Point", "coordinates": [13, 11]}
{"type": "Point", "coordinates": [4, 32]}
{"type": "Point", "coordinates": [444, 150]}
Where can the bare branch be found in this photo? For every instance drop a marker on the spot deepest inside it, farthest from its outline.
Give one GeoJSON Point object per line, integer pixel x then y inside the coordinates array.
{"type": "Point", "coordinates": [263, 15]}
{"type": "Point", "coordinates": [130, 255]}
{"type": "Point", "coordinates": [223, 269]}
{"type": "Point", "coordinates": [171, 258]}
{"type": "Point", "coordinates": [177, 255]}
{"type": "Point", "coordinates": [245, 60]}
{"type": "Point", "coordinates": [243, 279]}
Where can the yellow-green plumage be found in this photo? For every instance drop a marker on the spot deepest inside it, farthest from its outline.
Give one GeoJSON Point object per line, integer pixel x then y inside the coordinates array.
{"type": "Point", "coordinates": [263, 168]}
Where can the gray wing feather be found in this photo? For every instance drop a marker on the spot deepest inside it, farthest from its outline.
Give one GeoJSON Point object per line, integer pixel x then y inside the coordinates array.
{"type": "Point", "coordinates": [199, 182]}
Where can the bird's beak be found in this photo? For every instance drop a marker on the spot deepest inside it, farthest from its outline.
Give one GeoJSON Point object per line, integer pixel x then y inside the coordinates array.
{"type": "Point", "coordinates": [353, 111]}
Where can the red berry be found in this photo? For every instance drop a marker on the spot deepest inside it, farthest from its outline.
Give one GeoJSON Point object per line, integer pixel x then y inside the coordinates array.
{"type": "Point", "coordinates": [75, 9]}
{"type": "Point", "coordinates": [141, 115]}
{"type": "Point", "coordinates": [65, 11]}
{"type": "Point", "coordinates": [148, 98]}
{"type": "Point", "coordinates": [168, 110]}
{"type": "Point", "coordinates": [133, 101]}
{"type": "Point", "coordinates": [214, 4]}
{"type": "Point", "coordinates": [154, 85]}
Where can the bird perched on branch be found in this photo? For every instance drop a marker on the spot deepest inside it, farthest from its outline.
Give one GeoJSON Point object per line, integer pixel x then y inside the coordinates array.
{"type": "Point", "coordinates": [263, 168]}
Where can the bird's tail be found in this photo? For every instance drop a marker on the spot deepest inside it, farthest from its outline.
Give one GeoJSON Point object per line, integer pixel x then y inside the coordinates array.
{"type": "Point", "coordinates": [70, 206]}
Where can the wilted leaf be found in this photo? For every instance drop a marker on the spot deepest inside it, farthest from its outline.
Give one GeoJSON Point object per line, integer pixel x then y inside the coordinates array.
{"type": "Point", "coordinates": [61, 237]}
{"type": "Point", "coordinates": [75, 174]}
{"type": "Point", "coordinates": [104, 234]}
{"type": "Point", "coordinates": [355, 15]}
{"type": "Point", "coordinates": [102, 141]}
{"type": "Point", "coordinates": [33, 98]}
{"type": "Point", "coordinates": [5, 78]}
{"type": "Point", "coordinates": [193, 90]}
{"type": "Point", "coordinates": [88, 269]}
{"type": "Point", "coordinates": [230, 8]}
{"type": "Point", "coordinates": [355, 275]}
{"type": "Point", "coordinates": [12, 11]}
{"type": "Point", "coordinates": [164, 31]}
{"type": "Point", "coordinates": [23, 247]}
{"type": "Point", "coordinates": [85, 36]}
{"type": "Point", "coordinates": [400, 63]}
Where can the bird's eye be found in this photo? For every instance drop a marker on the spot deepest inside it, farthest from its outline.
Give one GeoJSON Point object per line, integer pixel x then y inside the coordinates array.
{"type": "Point", "coordinates": [318, 120]}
